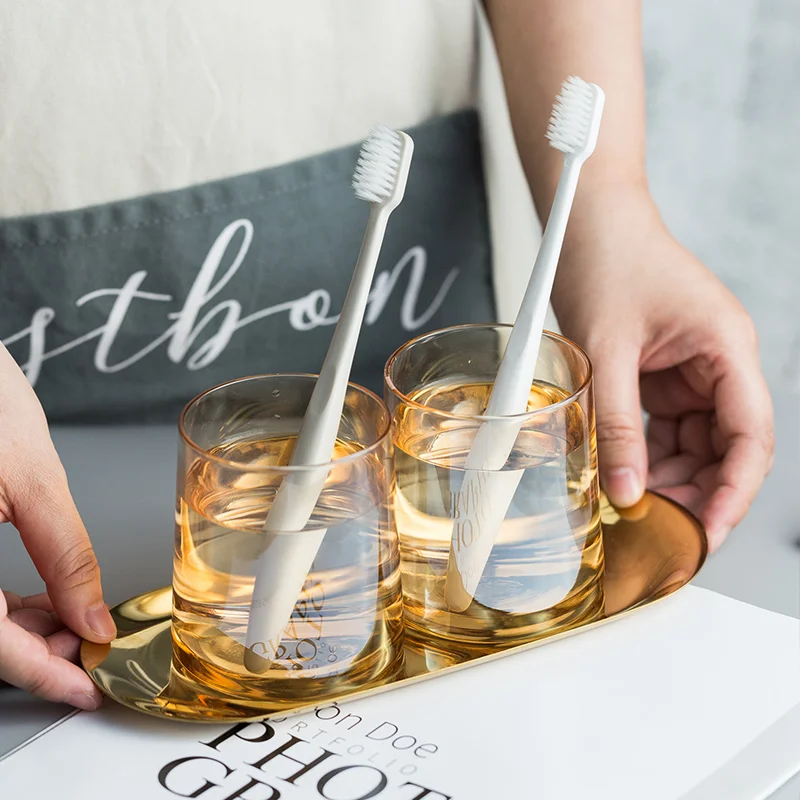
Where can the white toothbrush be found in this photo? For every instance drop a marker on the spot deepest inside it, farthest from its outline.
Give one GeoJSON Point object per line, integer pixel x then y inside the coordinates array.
{"type": "Point", "coordinates": [486, 491]}
{"type": "Point", "coordinates": [380, 178]}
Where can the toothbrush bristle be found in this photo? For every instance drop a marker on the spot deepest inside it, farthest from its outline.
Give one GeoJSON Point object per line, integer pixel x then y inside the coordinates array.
{"type": "Point", "coordinates": [570, 122]}
{"type": "Point", "coordinates": [376, 170]}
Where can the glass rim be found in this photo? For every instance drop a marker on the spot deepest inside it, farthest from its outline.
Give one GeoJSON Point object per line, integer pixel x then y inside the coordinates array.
{"type": "Point", "coordinates": [384, 434]}
{"type": "Point", "coordinates": [520, 418]}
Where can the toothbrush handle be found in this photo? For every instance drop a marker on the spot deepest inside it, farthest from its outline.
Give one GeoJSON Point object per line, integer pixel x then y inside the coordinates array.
{"type": "Point", "coordinates": [491, 489]}
{"type": "Point", "coordinates": [298, 493]}
{"type": "Point", "coordinates": [320, 426]}
{"type": "Point", "coordinates": [513, 382]}
{"type": "Point", "coordinates": [286, 561]}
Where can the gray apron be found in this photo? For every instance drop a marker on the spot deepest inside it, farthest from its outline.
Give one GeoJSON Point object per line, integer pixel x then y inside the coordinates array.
{"type": "Point", "coordinates": [125, 311]}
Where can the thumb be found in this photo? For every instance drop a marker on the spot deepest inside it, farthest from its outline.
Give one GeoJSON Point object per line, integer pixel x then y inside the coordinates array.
{"type": "Point", "coordinates": [56, 540]}
{"type": "Point", "coordinates": [622, 452]}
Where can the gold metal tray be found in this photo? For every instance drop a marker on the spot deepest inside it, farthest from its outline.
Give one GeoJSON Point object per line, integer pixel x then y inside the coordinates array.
{"type": "Point", "coordinates": [651, 551]}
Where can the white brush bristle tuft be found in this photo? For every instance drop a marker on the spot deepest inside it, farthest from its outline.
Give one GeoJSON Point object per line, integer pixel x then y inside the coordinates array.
{"type": "Point", "coordinates": [376, 170]}
{"type": "Point", "coordinates": [571, 120]}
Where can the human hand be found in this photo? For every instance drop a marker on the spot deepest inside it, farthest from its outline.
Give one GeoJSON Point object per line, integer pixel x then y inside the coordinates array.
{"type": "Point", "coordinates": [665, 334]}
{"type": "Point", "coordinates": [40, 635]}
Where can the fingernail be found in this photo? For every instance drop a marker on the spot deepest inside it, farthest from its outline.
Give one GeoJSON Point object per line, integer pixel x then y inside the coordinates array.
{"type": "Point", "coordinates": [83, 700]}
{"type": "Point", "coordinates": [99, 620]}
{"type": "Point", "coordinates": [624, 487]}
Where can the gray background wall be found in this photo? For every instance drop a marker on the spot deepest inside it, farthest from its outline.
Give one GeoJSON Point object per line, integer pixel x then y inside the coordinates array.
{"type": "Point", "coordinates": [724, 152]}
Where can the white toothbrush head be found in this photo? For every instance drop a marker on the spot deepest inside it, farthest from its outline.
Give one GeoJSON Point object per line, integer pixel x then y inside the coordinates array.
{"type": "Point", "coordinates": [382, 169]}
{"type": "Point", "coordinates": [575, 121]}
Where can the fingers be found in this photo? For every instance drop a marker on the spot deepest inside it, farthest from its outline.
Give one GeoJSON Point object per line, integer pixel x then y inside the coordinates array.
{"type": "Point", "coordinates": [745, 426]}
{"type": "Point", "coordinates": [739, 478]}
{"type": "Point", "coordinates": [65, 644]}
{"type": "Point", "coordinates": [691, 450]}
{"type": "Point", "coordinates": [35, 496]}
{"type": "Point", "coordinates": [683, 443]}
{"type": "Point", "coordinates": [26, 662]}
{"type": "Point", "coordinates": [694, 437]}
{"type": "Point", "coordinates": [662, 439]}
{"type": "Point", "coordinates": [666, 394]}
{"type": "Point", "coordinates": [694, 494]}
{"type": "Point", "coordinates": [676, 470]}
{"type": "Point", "coordinates": [36, 621]}
{"type": "Point", "coordinates": [686, 495]}
{"type": "Point", "coordinates": [622, 454]}
{"type": "Point", "coordinates": [40, 601]}
{"type": "Point", "coordinates": [59, 546]}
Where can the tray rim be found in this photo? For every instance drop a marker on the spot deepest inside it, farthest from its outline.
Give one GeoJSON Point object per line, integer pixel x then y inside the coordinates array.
{"type": "Point", "coordinates": [89, 651]}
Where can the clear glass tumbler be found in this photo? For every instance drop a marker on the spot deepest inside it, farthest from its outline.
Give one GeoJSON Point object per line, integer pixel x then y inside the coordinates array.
{"type": "Point", "coordinates": [509, 549]}
{"type": "Point", "coordinates": [345, 630]}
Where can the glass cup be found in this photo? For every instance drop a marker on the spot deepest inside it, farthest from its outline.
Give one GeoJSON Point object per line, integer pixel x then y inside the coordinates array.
{"type": "Point", "coordinates": [342, 628]}
{"type": "Point", "coordinates": [500, 531]}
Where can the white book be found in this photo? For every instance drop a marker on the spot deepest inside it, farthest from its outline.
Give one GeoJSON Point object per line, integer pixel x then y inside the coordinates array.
{"type": "Point", "coordinates": [697, 692]}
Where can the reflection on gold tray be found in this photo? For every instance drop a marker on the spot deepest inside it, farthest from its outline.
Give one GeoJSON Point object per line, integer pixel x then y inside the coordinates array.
{"type": "Point", "coordinates": [651, 551]}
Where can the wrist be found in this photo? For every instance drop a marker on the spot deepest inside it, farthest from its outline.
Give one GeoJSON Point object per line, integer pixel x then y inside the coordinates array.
{"type": "Point", "coordinates": [608, 211]}
{"type": "Point", "coordinates": [611, 227]}
{"type": "Point", "coordinates": [601, 175]}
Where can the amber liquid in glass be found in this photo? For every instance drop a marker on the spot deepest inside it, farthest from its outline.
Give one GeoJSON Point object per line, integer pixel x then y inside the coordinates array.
{"type": "Point", "coordinates": [544, 573]}
{"type": "Point", "coordinates": [346, 628]}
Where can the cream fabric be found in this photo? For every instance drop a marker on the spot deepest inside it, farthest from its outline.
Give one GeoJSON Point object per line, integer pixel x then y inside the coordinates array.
{"type": "Point", "coordinates": [105, 99]}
